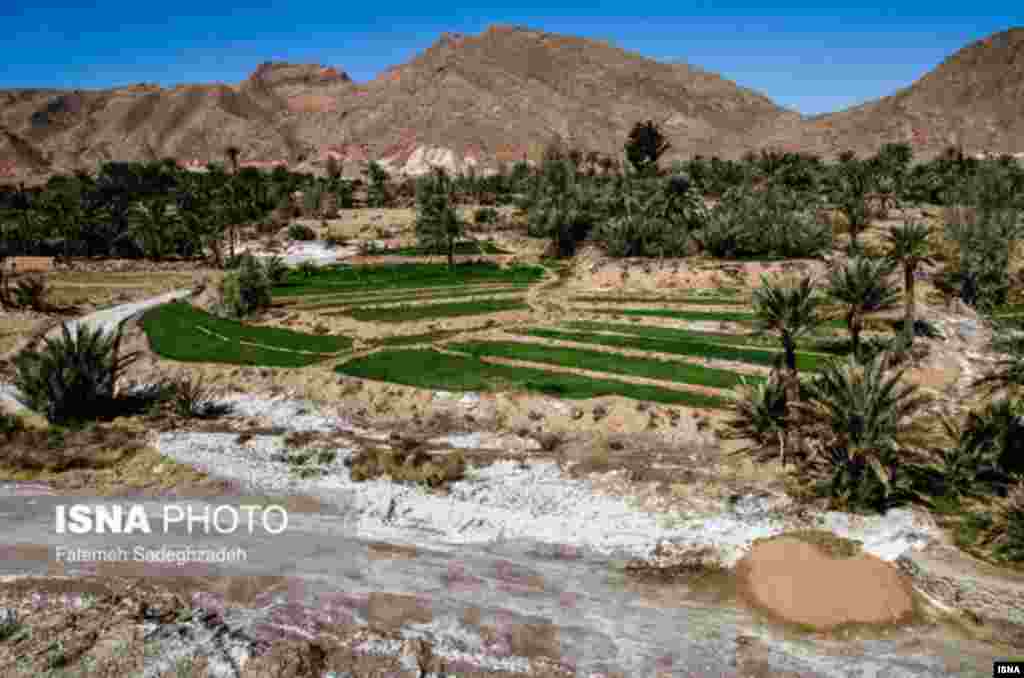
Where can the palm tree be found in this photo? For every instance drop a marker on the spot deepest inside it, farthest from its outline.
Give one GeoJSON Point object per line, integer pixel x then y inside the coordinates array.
{"type": "Point", "coordinates": [862, 417]}
{"type": "Point", "coordinates": [854, 182]}
{"type": "Point", "coordinates": [791, 310]}
{"type": "Point", "coordinates": [759, 415]}
{"type": "Point", "coordinates": [437, 224]}
{"type": "Point", "coordinates": [232, 152]}
{"type": "Point", "coordinates": [909, 246]}
{"type": "Point", "coordinates": [154, 224]}
{"type": "Point", "coordinates": [863, 286]}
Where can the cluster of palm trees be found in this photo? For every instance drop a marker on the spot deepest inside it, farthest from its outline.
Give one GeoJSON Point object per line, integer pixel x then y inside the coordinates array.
{"type": "Point", "coordinates": [855, 429]}
{"type": "Point", "coordinates": [152, 210]}
{"type": "Point", "coordinates": [849, 420]}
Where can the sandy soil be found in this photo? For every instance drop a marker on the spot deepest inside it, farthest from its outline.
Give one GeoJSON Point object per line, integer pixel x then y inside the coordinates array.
{"type": "Point", "coordinates": [801, 584]}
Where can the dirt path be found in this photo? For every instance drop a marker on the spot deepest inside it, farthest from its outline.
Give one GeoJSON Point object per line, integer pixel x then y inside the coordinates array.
{"type": "Point", "coordinates": [108, 320]}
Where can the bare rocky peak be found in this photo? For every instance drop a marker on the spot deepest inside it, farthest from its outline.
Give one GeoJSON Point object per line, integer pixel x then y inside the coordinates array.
{"type": "Point", "coordinates": [276, 73]}
{"type": "Point", "coordinates": [972, 99]}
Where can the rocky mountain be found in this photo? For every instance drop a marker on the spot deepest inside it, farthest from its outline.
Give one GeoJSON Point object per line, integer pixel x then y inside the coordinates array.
{"type": "Point", "coordinates": [500, 96]}
{"type": "Point", "coordinates": [973, 99]}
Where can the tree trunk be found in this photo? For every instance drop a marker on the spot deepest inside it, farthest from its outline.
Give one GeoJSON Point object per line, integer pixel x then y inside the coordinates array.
{"type": "Point", "coordinates": [854, 321]}
{"type": "Point", "coordinates": [792, 396]}
{"type": "Point", "coordinates": [451, 254]}
{"type": "Point", "coordinates": [910, 302]}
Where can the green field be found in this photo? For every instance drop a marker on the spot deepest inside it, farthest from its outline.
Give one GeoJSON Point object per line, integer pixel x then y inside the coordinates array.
{"type": "Point", "coordinates": [398, 314]}
{"type": "Point", "coordinates": [722, 316]}
{"type": "Point", "coordinates": [692, 300]}
{"type": "Point", "coordinates": [428, 368]}
{"type": "Point", "coordinates": [823, 344]}
{"type": "Point", "coordinates": [612, 363]}
{"type": "Point", "coordinates": [428, 295]}
{"type": "Point", "coordinates": [696, 347]}
{"type": "Point", "coordinates": [464, 247]}
{"type": "Point", "coordinates": [180, 331]}
{"type": "Point", "coordinates": [401, 276]}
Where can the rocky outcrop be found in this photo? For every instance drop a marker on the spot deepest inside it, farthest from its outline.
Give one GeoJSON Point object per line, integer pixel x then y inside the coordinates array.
{"type": "Point", "coordinates": [990, 595]}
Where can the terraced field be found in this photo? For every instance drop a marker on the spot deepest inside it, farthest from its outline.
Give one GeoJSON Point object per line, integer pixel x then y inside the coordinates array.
{"type": "Point", "coordinates": [180, 331]}
{"type": "Point", "coordinates": [663, 353]}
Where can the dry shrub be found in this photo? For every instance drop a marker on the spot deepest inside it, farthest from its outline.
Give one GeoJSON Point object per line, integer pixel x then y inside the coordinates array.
{"type": "Point", "coordinates": [414, 465]}
{"type": "Point", "coordinates": [57, 450]}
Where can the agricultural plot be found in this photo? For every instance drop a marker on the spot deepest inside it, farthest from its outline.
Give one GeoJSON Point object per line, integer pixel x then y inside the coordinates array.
{"type": "Point", "coordinates": [429, 368]}
{"type": "Point", "coordinates": [574, 358]}
{"type": "Point", "coordinates": [348, 301]}
{"type": "Point", "coordinates": [693, 300]}
{"type": "Point", "coordinates": [179, 331]}
{"type": "Point", "coordinates": [338, 279]}
{"type": "Point", "coordinates": [398, 314]}
{"type": "Point", "coordinates": [461, 248]}
{"type": "Point", "coordinates": [720, 316]}
{"type": "Point", "coordinates": [697, 348]}
{"type": "Point", "coordinates": [613, 363]}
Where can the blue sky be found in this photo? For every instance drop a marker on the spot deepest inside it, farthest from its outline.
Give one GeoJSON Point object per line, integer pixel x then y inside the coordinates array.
{"type": "Point", "coordinates": [804, 56]}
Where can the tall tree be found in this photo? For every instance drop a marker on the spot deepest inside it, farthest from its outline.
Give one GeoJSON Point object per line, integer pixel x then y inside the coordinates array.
{"type": "Point", "coordinates": [853, 183]}
{"type": "Point", "coordinates": [790, 309]}
{"type": "Point", "coordinates": [909, 247]}
{"type": "Point", "coordinates": [377, 185]}
{"type": "Point", "coordinates": [438, 226]}
{"type": "Point", "coordinates": [862, 285]}
{"type": "Point", "coordinates": [645, 146]}
{"type": "Point", "coordinates": [232, 153]}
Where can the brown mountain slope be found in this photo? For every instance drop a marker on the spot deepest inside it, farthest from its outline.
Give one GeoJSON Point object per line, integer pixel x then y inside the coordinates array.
{"type": "Point", "coordinates": [507, 92]}
{"type": "Point", "coordinates": [975, 99]}
{"type": "Point", "coordinates": [499, 96]}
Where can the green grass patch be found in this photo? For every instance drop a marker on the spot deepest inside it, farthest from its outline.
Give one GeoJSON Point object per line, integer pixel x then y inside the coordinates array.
{"type": "Point", "coordinates": [428, 368]}
{"type": "Point", "coordinates": [398, 314]}
{"type": "Point", "coordinates": [373, 295]}
{"type": "Point", "coordinates": [741, 317]}
{"type": "Point", "coordinates": [767, 341]}
{"type": "Point", "coordinates": [464, 247]}
{"type": "Point", "coordinates": [361, 300]}
{"type": "Point", "coordinates": [175, 331]}
{"type": "Point", "coordinates": [688, 347]}
{"type": "Point", "coordinates": [693, 300]}
{"type": "Point", "coordinates": [598, 361]}
{"type": "Point", "coordinates": [722, 316]}
{"type": "Point", "coordinates": [402, 276]}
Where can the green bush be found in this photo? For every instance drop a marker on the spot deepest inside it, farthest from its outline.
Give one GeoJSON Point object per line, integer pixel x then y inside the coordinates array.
{"type": "Point", "coordinates": [72, 378]}
{"type": "Point", "coordinates": [276, 269]}
{"type": "Point", "coordinates": [485, 215]}
{"type": "Point", "coordinates": [30, 293]}
{"type": "Point", "coordinates": [301, 232]}
{"type": "Point", "coordinates": [245, 290]}
{"type": "Point", "coordinates": [9, 424]}
{"type": "Point", "coordinates": [861, 418]}
{"type": "Point", "coordinates": [773, 222]}
{"type": "Point", "coordinates": [759, 415]}
{"type": "Point", "coordinates": [985, 239]}
{"type": "Point", "coordinates": [641, 236]}
{"type": "Point", "coordinates": [1010, 545]}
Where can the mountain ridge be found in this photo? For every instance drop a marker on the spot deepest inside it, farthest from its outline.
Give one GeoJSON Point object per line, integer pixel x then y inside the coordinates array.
{"type": "Point", "coordinates": [499, 96]}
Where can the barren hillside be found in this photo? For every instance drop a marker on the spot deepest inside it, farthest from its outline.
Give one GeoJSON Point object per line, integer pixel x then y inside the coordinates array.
{"type": "Point", "coordinates": [498, 96]}
{"type": "Point", "coordinates": [974, 99]}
